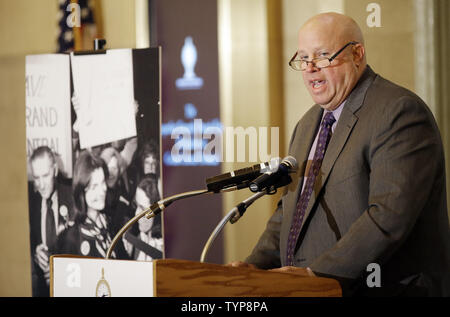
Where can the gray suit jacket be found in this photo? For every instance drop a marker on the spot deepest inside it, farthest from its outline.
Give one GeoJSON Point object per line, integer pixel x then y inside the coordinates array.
{"type": "Point", "coordinates": [380, 196]}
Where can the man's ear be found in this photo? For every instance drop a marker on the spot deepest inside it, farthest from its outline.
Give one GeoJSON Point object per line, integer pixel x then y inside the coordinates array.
{"type": "Point", "coordinates": [359, 53]}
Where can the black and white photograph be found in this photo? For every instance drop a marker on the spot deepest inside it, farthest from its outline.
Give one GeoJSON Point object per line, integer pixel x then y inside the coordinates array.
{"type": "Point", "coordinates": [114, 145]}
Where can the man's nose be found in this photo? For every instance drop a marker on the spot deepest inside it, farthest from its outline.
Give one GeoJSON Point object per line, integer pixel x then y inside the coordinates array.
{"type": "Point", "coordinates": [310, 67]}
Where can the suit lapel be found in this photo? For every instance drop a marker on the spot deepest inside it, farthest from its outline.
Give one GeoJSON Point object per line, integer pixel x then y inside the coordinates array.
{"type": "Point", "coordinates": [337, 142]}
{"type": "Point", "coordinates": [300, 147]}
{"type": "Point", "coordinates": [340, 136]}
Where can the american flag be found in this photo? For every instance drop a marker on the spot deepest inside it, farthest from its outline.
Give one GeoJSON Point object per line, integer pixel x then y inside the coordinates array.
{"type": "Point", "coordinates": [77, 38]}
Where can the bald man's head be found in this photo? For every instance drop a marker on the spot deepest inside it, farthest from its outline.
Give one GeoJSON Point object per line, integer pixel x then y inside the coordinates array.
{"type": "Point", "coordinates": [336, 25]}
{"type": "Point", "coordinates": [320, 38]}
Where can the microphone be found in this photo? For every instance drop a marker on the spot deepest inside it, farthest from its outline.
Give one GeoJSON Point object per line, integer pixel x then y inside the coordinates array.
{"type": "Point", "coordinates": [240, 178]}
{"type": "Point", "coordinates": [277, 178]}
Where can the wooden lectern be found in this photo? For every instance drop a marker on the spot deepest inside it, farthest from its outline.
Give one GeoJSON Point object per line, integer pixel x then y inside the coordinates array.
{"type": "Point", "coordinates": [80, 276]}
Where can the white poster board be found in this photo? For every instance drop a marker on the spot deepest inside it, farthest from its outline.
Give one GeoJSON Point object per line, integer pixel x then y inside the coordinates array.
{"type": "Point", "coordinates": [104, 96]}
{"type": "Point", "coordinates": [92, 277]}
{"type": "Point", "coordinates": [47, 100]}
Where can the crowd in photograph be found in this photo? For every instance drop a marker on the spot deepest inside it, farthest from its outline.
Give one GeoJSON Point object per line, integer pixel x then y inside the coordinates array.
{"type": "Point", "coordinates": [110, 184]}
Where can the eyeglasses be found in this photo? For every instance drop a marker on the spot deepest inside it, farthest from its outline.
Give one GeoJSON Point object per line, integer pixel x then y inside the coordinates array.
{"type": "Point", "coordinates": [321, 62]}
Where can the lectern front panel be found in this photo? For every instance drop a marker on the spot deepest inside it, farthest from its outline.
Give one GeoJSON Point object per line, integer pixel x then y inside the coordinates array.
{"type": "Point", "coordinates": [90, 277]}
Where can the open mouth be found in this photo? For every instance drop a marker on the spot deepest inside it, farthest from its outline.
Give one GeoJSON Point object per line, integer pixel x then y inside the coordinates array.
{"type": "Point", "coordinates": [317, 83]}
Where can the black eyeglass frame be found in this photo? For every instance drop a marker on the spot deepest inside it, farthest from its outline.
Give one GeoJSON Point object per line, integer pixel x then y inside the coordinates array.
{"type": "Point", "coordinates": [316, 59]}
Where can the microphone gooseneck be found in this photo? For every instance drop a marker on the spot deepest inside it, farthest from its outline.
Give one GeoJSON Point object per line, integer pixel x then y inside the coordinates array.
{"type": "Point", "coordinates": [277, 178]}
{"type": "Point", "coordinates": [151, 212]}
{"type": "Point", "coordinates": [232, 216]}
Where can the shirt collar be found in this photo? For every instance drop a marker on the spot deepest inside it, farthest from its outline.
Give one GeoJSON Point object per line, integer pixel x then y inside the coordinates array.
{"type": "Point", "coordinates": [336, 114]}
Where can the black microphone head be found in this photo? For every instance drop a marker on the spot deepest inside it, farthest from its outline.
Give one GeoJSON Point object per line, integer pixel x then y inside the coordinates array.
{"type": "Point", "coordinates": [277, 178]}
{"type": "Point", "coordinates": [241, 177]}
{"type": "Point", "coordinates": [290, 162]}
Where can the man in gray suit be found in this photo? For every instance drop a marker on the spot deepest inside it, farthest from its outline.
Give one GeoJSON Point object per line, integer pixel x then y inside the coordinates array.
{"type": "Point", "coordinates": [370, 187]}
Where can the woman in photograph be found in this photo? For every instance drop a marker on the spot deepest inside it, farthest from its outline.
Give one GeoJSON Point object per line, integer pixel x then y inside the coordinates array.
{"type": "Point", "coordinates": [90, 235]}
{"type": "Point", "coordinates": [117, 195]}
{"type": "Point", "coordinates": [146, 161]}
{"type": "Point", "coordinates": [149, 162]}
{"type": "Point", "coordinates": [148, 244]}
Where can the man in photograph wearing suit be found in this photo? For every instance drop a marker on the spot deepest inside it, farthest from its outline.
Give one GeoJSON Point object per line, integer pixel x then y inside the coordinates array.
{"type": "Point", "coordinates": [370, 187]}
{"type": "Point", "coordinates": [50, 207]}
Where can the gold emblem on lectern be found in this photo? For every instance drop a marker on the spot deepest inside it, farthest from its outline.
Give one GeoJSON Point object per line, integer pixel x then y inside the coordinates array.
{"type": "Point", "coordinates": [103, 289]}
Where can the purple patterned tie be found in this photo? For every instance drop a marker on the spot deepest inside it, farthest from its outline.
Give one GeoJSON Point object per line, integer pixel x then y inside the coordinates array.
{"type": "Point", "coordinates": [322, 142]}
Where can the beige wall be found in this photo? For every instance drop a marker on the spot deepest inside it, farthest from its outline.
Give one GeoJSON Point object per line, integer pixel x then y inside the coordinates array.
{"type": "Point", "coordinates": [244, 98]}
{"type": "Point", "coordinates": [390, 48]}
{"type": "Point", "coordinates": [119, 19]}
{"type": "Point", "coordinates": [26, 27]}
